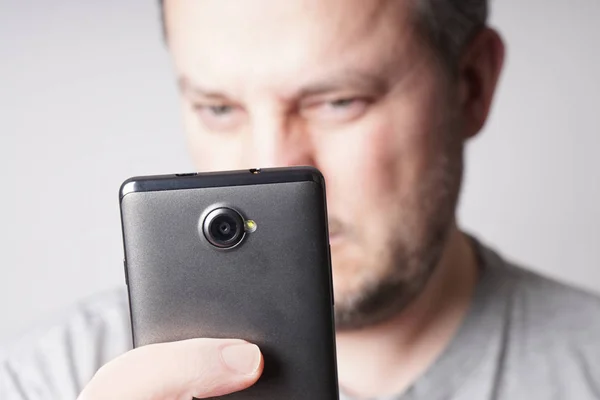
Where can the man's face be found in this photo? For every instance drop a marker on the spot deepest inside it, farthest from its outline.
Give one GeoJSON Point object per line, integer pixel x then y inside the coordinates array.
{"type": "Point", "coordinates": [348, 87]}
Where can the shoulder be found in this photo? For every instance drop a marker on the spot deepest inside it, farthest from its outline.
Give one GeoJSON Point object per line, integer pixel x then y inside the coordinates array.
{"type": "Point", "coordinates": [543, 304]}
{"type": "Point", "coordinates": [551, 331]}
{"type": "Point", "coordinates": [547, 305]}
{"type": "Point", "coordinates": [57, 360]}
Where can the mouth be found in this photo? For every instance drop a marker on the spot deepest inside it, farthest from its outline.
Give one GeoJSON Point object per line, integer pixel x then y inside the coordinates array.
{"type": "Point", "coordinates": [336, 233]}
{"type": "Point", "coordinates": [335, 237]}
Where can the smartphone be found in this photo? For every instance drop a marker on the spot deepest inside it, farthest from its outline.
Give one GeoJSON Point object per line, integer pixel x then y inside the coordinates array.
{"type": "Point", "coordinates": [236, 254]}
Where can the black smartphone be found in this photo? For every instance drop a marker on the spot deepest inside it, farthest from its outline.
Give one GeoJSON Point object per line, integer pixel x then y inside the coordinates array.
{"type": "Point", "coordinates": [237, 254]}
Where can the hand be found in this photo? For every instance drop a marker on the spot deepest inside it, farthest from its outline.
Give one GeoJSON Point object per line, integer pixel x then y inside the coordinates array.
{"type": "Point", "coordinates": [198, 368]}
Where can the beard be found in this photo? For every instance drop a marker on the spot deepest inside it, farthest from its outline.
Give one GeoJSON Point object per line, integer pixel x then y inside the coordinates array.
{"type": "Point", "coordinates": [407, 260]}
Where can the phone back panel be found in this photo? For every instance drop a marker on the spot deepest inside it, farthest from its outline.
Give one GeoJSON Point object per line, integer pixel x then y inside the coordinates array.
{"type": "Point", "coordinates": [274, 289]}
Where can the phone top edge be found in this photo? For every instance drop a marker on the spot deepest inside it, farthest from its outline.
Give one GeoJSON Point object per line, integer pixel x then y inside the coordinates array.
{"type": "Point", "coordinates": [254, 176]}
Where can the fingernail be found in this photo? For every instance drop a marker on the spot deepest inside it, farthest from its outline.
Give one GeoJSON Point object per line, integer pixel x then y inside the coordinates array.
{"type": "Point", "coordinates": [242, 358]}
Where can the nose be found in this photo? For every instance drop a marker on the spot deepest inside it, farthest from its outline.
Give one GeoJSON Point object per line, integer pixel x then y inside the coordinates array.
{"type": "Point", "coordinates": [281, 144]}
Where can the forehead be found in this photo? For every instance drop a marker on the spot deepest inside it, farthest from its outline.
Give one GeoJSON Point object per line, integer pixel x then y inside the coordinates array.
{"type": "Point", "coordinates": [270, 39]}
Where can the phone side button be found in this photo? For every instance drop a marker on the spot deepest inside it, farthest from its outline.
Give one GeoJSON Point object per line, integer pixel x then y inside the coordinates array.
{"type": "Point", "coordinates": [331, 277]}
{"type": "Point", "coordinates": [125, 269]}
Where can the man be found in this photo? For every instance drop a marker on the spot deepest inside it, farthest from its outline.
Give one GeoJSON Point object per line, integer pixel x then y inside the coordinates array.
{"type": "Point", "coordinates": [381, 96]}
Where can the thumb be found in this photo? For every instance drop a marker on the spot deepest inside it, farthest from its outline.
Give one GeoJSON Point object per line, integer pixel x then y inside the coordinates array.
{"type": "Point", "coordinates": [198, 368]}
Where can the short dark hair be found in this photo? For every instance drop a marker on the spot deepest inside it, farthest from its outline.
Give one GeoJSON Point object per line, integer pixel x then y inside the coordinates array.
{"type": "Point", "coordinates": [447, 25]}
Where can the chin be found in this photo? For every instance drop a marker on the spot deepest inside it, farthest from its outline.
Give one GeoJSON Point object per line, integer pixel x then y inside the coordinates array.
{"type": "Point", "coordinates": [346, 283]}
{"type": "Point", "coordinates": [351, 278]}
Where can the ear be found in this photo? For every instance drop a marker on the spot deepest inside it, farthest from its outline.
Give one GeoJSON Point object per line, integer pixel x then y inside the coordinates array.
{"type": "Point", "coordinates": [479, 70]}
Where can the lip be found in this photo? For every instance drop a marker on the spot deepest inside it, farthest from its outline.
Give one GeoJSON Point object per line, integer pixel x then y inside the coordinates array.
{"type": "Point", "coordinates": [335, 238]}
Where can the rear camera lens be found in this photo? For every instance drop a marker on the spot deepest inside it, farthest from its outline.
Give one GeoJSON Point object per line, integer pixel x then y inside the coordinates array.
{"type": "Point", "coordinates": [224, 228]}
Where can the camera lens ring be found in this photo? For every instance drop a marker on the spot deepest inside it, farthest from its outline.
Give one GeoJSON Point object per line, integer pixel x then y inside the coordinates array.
{"type": "Point", "coordinates": [223, 227]}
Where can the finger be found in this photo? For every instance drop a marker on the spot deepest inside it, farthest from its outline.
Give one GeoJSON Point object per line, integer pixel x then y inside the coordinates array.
{"type": "Point", "coordinates": [198, 368]}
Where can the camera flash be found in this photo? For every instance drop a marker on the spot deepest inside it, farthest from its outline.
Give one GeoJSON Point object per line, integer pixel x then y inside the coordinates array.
{"type": "Point", "coordinates": [250, 226]}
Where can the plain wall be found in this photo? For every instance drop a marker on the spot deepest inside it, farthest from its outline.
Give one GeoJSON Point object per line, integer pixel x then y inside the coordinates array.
{"type": "Point", "coordinates": [87, 99]}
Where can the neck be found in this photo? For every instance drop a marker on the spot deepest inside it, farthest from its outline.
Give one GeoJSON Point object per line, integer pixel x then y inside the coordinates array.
{"type": "Point", "coordinates": [387, 358]}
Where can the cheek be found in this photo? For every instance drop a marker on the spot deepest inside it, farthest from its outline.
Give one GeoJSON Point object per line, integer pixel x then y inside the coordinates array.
{"type": "Point", "coordinates": [398, 151]}
{"type": "Point", "coordinates": [365, 165]}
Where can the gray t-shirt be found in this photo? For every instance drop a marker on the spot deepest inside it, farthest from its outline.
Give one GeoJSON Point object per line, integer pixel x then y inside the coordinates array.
{"type": "Point", "coordinates": [525, 337]}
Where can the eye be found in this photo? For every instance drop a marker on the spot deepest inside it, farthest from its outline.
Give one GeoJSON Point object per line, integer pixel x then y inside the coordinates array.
{"type": "Point", "coordinates": [342, 103]}
{"type": "Point", "coordinates": [216, 110]}
{"type": "Point", "coordinates": [219, 110]}
{"type": "Point", "coordinates": [219, 117]}
{"type": "Point", "coordinates": [343, 109]}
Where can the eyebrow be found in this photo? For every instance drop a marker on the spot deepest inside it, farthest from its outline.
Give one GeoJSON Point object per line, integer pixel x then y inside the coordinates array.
{"type": "Point", "coordinates": [345, 80]}
{"type": "Point", "coordinates": [373, 83]}
{"type": "Point", "coordinates": [189, 88]}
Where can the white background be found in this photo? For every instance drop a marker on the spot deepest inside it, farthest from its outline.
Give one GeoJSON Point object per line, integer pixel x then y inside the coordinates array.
{"type": "Point", "coordinates": [87, 99]}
